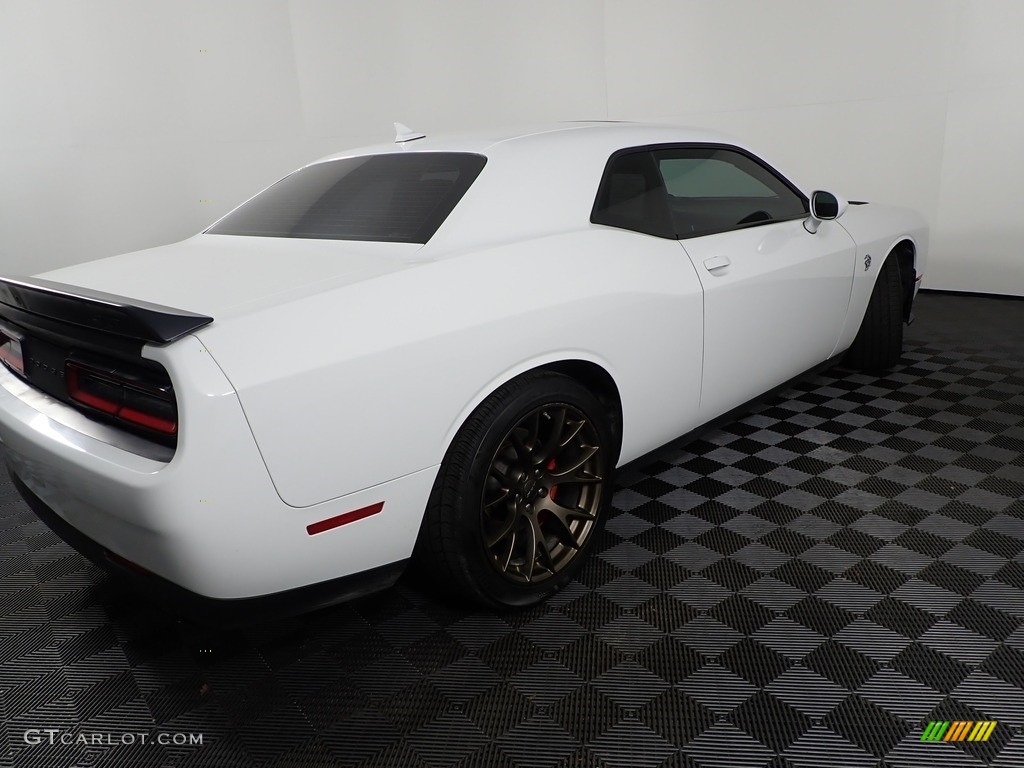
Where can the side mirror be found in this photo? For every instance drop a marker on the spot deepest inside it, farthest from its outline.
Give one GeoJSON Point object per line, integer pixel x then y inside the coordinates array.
{"type": "Point", "coordinates": [824, 207]}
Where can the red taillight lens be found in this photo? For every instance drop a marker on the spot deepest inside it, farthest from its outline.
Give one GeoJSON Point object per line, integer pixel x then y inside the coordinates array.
{"type": "Point", "coordinates": [10, 350]}
{"type": "Point", "coordinates": [93, 390]}
{"type": "Point", "coordinates": [127, 399]}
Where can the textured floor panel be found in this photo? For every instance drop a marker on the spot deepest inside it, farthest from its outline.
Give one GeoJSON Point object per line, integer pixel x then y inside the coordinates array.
{"type": "Point", "coordinates": [811, 584]}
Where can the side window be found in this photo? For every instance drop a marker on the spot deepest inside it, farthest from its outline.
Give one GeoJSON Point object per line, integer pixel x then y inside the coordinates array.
{"type": "Point", "coordinates": [715, 189]}
{"type": "Point", "coordinates": [709, 177]}
{"type": "Point", "coordinates": [632, 196]}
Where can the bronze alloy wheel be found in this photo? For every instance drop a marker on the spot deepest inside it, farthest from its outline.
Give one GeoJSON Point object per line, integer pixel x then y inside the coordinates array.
{"type": "Point", "coordinates": [522, 493]}
{"type": "Point", "coordinates": [542, 494]}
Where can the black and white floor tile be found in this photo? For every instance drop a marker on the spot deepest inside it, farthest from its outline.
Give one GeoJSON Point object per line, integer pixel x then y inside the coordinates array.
{"type": "Point", "coordinates": [809, 585]}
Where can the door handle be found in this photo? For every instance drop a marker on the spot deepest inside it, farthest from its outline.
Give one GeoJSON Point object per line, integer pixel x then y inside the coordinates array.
{"type": "Point", "coordinates": [716, 262]}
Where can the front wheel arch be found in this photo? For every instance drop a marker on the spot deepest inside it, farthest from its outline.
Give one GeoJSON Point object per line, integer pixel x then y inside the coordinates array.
{"type": "Point", "coordinates": [878, 344]}
{"type": "Point", "coordinates": [906, 255]}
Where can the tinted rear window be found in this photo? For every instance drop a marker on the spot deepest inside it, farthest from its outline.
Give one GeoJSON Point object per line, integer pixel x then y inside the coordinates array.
{"type": "Point", "coordinates": [399, 198]}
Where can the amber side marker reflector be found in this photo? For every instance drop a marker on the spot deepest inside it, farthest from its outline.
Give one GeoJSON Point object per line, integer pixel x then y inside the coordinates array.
{"type": "Point", "coordinates": [348, 517]}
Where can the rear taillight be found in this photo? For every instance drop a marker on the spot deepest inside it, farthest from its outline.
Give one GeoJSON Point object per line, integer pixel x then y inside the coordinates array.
{"type": "Point", "coordinates": [10, 350]}
{"type": "Point", "coordinates": [124, 397]}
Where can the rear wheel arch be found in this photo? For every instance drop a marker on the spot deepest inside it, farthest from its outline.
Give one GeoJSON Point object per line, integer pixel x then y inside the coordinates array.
{"type": "Point", "coordinates": [600, 383]}
{"type": "Point", "coordinates": [454, 545]}
{"type": "Point", "coordinates": [588, 373]}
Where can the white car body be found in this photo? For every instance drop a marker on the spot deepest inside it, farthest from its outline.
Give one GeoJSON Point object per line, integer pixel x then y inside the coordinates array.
{"type": "Point", "coordinates": [335, 374]}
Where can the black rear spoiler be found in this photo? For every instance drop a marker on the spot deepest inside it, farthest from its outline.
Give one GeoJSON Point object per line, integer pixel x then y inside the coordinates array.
{"type": "Point", "coordinates": [104, 312]}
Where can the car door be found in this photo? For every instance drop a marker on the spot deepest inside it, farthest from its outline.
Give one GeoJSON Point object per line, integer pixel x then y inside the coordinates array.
{"type": "Point", "coordinates": [775, 295]}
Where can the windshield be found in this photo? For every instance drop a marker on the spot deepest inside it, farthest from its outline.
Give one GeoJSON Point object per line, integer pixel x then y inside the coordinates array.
{"type": "Point", "coordinates": [398, 198]}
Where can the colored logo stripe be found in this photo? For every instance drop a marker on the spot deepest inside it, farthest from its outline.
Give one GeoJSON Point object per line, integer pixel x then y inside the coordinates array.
{"type": "Point", "coordinates": [982, 731]}
{"type": "Point", "coordinates": [935, 730]}
{"type": "Point", "coordinates": [958, 730]}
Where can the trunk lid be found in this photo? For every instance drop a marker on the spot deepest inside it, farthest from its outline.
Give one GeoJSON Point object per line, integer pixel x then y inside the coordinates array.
{"type": "Point", "coordinates": [227, 275]}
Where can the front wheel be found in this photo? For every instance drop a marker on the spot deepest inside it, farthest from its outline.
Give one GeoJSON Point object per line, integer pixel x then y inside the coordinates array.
{"type": "Point", "coordinates": [522, 494]}
{"type": "Point", "coordinates": [879, 342]}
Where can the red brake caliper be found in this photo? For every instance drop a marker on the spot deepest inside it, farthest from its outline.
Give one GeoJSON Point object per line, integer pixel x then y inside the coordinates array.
{"type": "Point", "coordinates": [553, 492]}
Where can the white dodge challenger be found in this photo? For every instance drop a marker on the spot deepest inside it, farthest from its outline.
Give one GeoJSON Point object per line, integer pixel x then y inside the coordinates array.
{"type": "Point", "coordinates": [441, 346]}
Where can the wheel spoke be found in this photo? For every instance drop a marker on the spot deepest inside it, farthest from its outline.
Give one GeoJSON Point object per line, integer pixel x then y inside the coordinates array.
{"type": "Point", "coordinates": [499, 481]}
{"type": "Point", "coordinates": [507, 529]}
{"type": "Point", "coordinates": [527, 535]}
{"type": "Point", "coordinates": [564, 471]}
{"type": "Point", "coordinates": [530, 551]}
{"type": "Point", "coordinates": [500, 476]}
{"type": "Point", "coordinates": [574, 429]}
{"type": "Point", "coordinates": [578, 479]}
{"type": "Point", "coordinates": [505, 494]}
{"type": "Point", "coordinates": [508, 555]}
{"type": "Point", "coordinates": [533, 430]}
{"type": "Point", "coordinates": [522, 450]}
{"type": "Point", "coordinates": [562, 518]}
{"type": "Point", "coordinates": [542, 552]}
{"type": "Point", "coordinates": [553, 441]}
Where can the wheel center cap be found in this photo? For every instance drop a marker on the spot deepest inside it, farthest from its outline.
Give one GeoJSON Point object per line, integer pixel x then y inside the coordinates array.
{"type": "Point", "coordinates": [530, 487]}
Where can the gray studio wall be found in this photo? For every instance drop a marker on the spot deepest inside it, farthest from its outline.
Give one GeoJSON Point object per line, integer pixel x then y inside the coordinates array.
{"type": "Point", "coordinates": [125, 124]}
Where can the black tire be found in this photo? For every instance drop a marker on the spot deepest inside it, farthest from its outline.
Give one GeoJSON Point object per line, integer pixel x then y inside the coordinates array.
{"type": "Point", "coordinates": [524, 449]}
{"type": "Point", "coordinates": [879, 341]}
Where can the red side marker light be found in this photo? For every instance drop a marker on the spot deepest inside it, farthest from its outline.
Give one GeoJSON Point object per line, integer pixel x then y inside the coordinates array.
{"type": "Point", "coordinates": [125, 562]}
{"type": "Point", "coordinates": [348, 517]}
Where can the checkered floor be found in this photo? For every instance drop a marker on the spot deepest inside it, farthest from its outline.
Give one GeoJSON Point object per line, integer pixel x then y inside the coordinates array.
{"type": "Point", "coordinates": [810, 585]}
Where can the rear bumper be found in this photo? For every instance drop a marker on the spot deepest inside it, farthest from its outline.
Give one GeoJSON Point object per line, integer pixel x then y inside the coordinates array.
{"type": "Point", "coordinates": [209, 610]}
{"type": "Point", "coordinates": [209, 520]}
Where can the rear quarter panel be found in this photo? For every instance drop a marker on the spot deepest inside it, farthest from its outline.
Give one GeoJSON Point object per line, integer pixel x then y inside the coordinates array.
{"type": "Point", "coordinates": [353, 387]}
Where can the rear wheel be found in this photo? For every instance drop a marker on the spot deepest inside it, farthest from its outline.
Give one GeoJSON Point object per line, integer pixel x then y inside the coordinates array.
{"type": "Point", "coordinates": [879, 342]}
{"type": "Point", "coordinates": [522, 494]}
